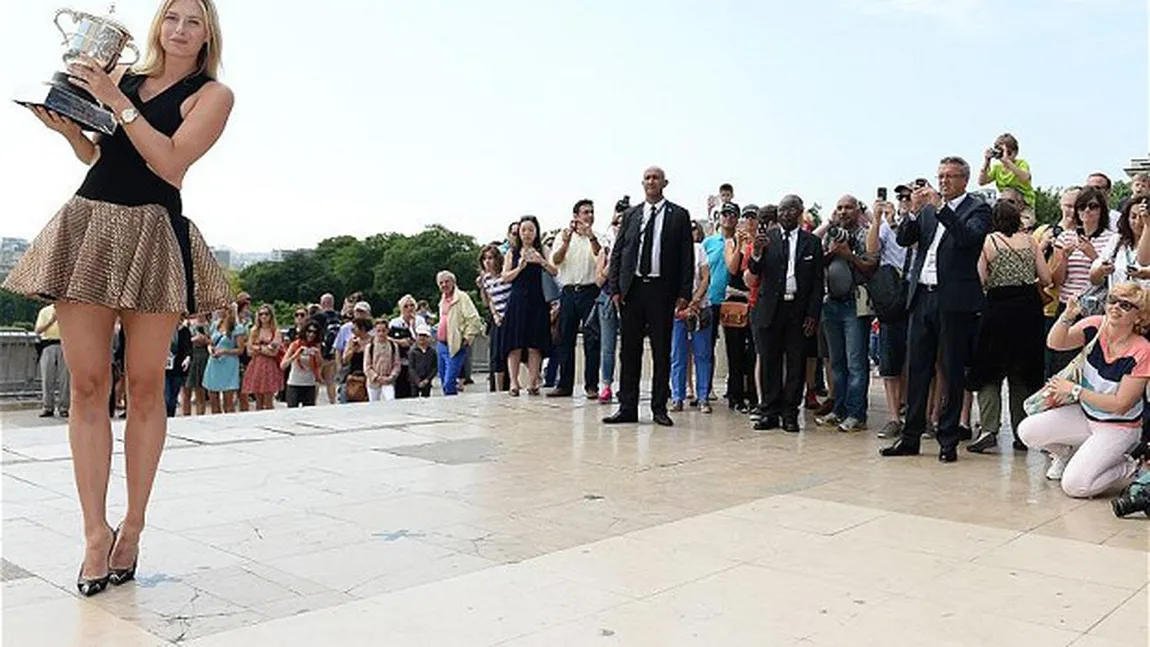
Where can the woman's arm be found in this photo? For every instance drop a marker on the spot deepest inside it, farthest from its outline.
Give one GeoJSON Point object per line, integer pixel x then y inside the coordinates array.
{"type": "Point", "coordinates": [704, 284]}
{"type": "Point", "coordinates": [1130, 390]}
{"type": "Point", "coordinates": [984, 263]}
{"type": "Point", "coordinates": [1045, 278]}
{"type": "Point", "coordinates": [170, 157]}
{"type": "Point", "coordinates": [509, 272]}
{"type": "Point", "coordinates": [293, 352]}
{"type": "Point", "coordinates": [733, 255]}
{"type": "Point", "coordinates": [1064, 334]}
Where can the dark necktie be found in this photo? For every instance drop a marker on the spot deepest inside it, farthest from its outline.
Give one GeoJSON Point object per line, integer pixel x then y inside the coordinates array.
{"type": "Point", "coordinates": [787, 246]}
{"type": "Point", "coordinates": [648, 242]}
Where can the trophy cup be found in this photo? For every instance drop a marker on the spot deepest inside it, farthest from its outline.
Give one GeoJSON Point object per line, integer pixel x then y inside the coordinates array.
{"type": "Point", "coordinates": [102, 40]}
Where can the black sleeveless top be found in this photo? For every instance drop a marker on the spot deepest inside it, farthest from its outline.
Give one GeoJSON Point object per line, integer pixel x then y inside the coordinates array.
{"type": "Point", "coordinates": [121, 176]}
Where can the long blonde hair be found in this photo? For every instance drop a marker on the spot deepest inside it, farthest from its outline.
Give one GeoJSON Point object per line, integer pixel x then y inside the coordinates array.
{"type": "Point", "coordinates": [210, 58]}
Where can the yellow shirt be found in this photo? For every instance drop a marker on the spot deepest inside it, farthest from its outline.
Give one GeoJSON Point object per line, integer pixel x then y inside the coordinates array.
{"type": "Point", "coordinates": [53, 331]}
{"type": "Point", "coordinates": [1004, 179]}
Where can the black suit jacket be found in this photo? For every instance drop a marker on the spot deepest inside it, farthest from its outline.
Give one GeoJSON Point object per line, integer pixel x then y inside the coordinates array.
{"type": "Point", "coordinates": [772, 272]}
{"type": "Point", "coordinates": [959, 287]}
{"type": "Point", "coordinates": [676, 251]}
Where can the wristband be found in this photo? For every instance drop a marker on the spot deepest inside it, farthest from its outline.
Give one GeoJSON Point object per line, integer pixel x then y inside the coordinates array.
{"type": "Point", "coordinates": [1076, 392]}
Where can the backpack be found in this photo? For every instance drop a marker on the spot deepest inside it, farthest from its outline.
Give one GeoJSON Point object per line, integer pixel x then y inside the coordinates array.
{"type": "Point", "coordinates": [887, 291]}
{"type": "Point", "coordinates": [330, 332]}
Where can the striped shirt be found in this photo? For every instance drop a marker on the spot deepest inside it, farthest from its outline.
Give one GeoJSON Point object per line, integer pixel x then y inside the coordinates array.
{"type": "Point", "coordinates": [1078, 264]}
{"type": "Point", "coordinates": [497, 291]}
{"type": "Point", "coordinates": [1103, 373]}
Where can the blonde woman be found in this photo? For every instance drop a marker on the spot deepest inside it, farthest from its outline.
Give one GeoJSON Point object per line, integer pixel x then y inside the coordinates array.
{"type": "Point", "coordinates": [263, 376]}
{"type": "Point", "coordinates": [1089, 439]}
{"type": "Point", "coordinates": [122, 247]}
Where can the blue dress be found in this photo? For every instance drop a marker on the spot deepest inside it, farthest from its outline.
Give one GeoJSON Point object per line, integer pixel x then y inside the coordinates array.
{"type": "Point", "coordinates": [527, 320]}
{"type": "Point", "coordinates": [223, 373]}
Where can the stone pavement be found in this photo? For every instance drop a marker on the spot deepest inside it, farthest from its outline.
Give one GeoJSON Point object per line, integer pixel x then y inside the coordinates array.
{"type": "Point", "coordinates": [490, 520]}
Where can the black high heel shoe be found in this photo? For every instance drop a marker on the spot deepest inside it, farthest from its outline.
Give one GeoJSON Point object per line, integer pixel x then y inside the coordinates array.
{"type": "Point", "coordinates": [118, 576]}
{"type": "Point", "coordinates": [91, 586]}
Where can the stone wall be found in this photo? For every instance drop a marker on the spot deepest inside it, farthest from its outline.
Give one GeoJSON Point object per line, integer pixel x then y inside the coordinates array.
{"type": "Point", "coordinates": [18, 368]}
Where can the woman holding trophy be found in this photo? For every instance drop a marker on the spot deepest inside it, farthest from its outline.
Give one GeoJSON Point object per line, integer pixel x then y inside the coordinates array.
{"type": "Point", "coordinates": [121, 247]}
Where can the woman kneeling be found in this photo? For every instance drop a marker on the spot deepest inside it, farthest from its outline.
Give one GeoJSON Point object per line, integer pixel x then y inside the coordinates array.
{"type": "Point", "coordinates": [1089, 441]}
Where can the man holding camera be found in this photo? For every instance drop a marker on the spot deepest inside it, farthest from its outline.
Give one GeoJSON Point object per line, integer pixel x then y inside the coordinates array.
{"type": "Point", "coordinates": [788, 262]}
{"type": "Point", "coordinates": [576, 257]}
{"type": "Point", "coordinates": [845, 317]}
{"type": "Point", "coordinates": [882, 244]}
{"type": "Point", "coordinates": [944, 296]}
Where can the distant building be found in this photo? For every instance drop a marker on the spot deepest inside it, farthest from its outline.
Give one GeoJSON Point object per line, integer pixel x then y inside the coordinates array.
{"type": "Point", "coordinates": [11, 249]}
{"type": "Point", "coordinates": [223, 256]}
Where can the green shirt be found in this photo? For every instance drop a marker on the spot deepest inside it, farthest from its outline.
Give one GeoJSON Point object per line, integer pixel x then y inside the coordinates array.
{"type": "Point", "coordinates": [1004, 179]}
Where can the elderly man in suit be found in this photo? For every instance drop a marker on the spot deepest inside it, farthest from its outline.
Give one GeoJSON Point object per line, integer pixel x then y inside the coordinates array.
{"type": "Point", "coordinates": [789, 264]}
{"type": "Point", "coordinates": [944, 296]}
{"type": "Point", "coordinates": [652, 271]}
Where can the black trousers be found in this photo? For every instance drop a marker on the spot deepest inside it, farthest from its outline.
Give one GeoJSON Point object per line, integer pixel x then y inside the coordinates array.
{"type": "Point", "coordinates": [647, 312]}
{"type": "Point", "coordinates": [930, 330]}
{"type": "Point", "coordinates": [576, 304]}
{"type": "Point", "coordinates": [741, 366]}
{"type": "Point", "coordinates": [782, 364]}
{"type": "Point", "coordinates": [298, 396]}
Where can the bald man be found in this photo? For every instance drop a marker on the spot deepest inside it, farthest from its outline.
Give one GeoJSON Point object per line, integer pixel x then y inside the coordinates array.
{"type": "Point", "coordinates": [651, 273]}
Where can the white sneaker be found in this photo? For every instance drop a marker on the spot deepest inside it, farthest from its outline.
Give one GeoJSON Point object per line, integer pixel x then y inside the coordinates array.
{"type": "Point", "coordinates": [851, 425]}
{"type": "Point", "coordinates": [829, 420]}
{"type": "Point", "coordinates": [1058, 461]}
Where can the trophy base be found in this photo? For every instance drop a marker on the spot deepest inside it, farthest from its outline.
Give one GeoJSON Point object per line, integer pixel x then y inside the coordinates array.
{"type": "Point", "coordinates": [68, 102]}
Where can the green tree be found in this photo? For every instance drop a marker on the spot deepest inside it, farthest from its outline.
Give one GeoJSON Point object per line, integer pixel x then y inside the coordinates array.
{"type": "Point", "coordinates": [383, 266]}
{"type": "Point", "coordinates": [1119, 191]}
{"type": "Point", "coordinates": [17, 311]}
{"type": "Point", "coordinates": [1047, 201]}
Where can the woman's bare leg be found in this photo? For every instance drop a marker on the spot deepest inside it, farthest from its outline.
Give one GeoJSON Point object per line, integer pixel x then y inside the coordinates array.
{"type": "Point", "coordinates": [534, 367]}
{"type": "Point", "coordinates": [230, 401]}
{"type": "Point", "coordinates": [148, 338]}
{"type": "Point", "coordinates": [86, 334]}
{"type": "Point", "coordinates": [513, 362]}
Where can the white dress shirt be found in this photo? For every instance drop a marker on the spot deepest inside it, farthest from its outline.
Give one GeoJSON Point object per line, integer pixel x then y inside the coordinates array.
{"type": "Point", "coordinates": [792, 251]}
{"type": "Point", "coordinates": [929, 275]}
{"type": "Point", "coordinates": [578, 266]}
{"type": "Point", "coordinates": [658, 211]}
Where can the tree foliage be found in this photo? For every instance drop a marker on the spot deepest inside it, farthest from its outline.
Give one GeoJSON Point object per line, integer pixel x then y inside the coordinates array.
{"type": "Point", "coordinates": [17, 311]}
{"type": "Point", "coordinates": [384, 267]}
{"type": "Point", "coordinates": [1047, 201]}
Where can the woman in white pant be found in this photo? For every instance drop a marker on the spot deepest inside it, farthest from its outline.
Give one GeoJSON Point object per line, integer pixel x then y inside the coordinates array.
{"type": "Point", "coordinates": [1089, 439]}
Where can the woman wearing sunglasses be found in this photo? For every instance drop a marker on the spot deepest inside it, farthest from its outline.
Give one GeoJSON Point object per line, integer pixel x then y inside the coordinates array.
{"type": "Point", "coordinates": [1090, 439]}
{"type": "Point", "coordinates": [303, 361]}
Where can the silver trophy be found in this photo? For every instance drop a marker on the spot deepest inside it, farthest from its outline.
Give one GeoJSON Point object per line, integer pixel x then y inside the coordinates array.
{"type": "Point", "coordinates": [101, 39]}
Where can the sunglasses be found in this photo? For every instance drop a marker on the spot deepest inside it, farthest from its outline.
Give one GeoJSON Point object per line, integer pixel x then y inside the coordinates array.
{"type": "Point", "coordinates": [1092, 206]}
{"type": "Point", "coordinates": [1121, 303]}
{"type": "Point", "coordinates": [301, 314]}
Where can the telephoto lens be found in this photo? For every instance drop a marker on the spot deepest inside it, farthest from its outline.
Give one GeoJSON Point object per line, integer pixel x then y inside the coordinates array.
{"type": "Point", "coordinates": [1135, 498]}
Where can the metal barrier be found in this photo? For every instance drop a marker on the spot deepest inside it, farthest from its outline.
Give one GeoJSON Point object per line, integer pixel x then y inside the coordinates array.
{"type": "Point", "coordinates": [19, 370]}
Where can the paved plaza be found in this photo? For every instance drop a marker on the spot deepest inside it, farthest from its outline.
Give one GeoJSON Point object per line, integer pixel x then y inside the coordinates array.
{"type": "Point", "coordinates": [489, 520]}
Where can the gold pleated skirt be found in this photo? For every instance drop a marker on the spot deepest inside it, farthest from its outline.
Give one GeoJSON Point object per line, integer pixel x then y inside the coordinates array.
{"type": "Point", "coordinates": [125, 258]}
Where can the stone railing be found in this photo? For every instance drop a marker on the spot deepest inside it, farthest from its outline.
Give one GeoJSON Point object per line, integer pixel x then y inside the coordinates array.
{"type": "Point", "coordinates": [19, 372]}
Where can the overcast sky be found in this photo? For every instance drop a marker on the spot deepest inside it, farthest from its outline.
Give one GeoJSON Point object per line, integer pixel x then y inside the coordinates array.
{"type": "Point", "coordinates": [362, 116]}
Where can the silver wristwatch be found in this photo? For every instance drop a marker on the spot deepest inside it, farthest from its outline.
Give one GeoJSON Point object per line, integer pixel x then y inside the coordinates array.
{"type": "Point", "coordinates": [128, 115]}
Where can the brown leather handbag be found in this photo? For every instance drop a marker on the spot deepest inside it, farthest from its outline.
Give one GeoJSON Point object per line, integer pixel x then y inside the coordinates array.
{"type": "Point", "coordinates": [734, 314]}
{"type": "Point", "coordinates": [356, 387]}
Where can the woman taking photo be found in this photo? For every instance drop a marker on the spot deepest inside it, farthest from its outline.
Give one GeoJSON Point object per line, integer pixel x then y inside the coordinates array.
{"type": "Point", "coordinates": [1089, 438]}
{"type": "Point", "coordinates": [122, 247]}
{"type": "Point", "coordinates": [527, 324]}
{"type": "Point", "coordinates": [263, 377]}
{"type": "Point", "coordinates": [303, 361]}
{"type": "Point", "coordinates": [1011, 328]}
